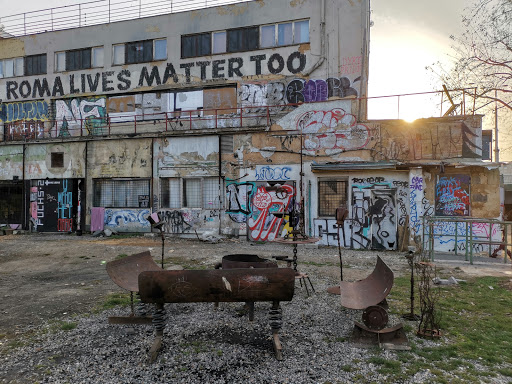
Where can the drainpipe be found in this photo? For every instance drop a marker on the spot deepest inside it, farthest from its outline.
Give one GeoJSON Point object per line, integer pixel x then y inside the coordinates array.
{"type": "Point", "coordinates": [220, 185]}
{"type": "Point", "coordinates": [366, 15]}
{"type": "Point", "coordinates": [25, 195]}
{"type": "Point", "coordinates": [84, 190]}
{"type": "Point", "coordinates": [322, 41]}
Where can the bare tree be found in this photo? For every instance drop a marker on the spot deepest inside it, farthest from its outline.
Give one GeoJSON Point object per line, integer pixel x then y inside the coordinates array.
{"type": "Point", "coordinates": [483, 53]}
{"type": "Point", "coordinates": [482, 58]}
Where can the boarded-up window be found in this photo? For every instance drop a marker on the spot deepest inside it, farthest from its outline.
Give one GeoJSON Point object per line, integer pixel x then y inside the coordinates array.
{"type": "Point", "coordinates": [221, 99]}
{"type": "Point", "coordinates": [453, 195]}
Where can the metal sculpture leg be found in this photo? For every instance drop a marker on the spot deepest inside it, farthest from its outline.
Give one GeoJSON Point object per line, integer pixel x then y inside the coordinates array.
{"type": "Point", "coordinates": [276, 322]}
{"type": "Point", "coordinates": [159, 323]}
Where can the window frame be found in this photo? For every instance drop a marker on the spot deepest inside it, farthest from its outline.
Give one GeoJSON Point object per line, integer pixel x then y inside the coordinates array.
{"type": "Point", "coordinates": [16, 68]}
{"type": "Point", "coordinates": [125, 52]}
{"type": "Point", "coordinates": [276, 34]}
{"type": "Point", "coordinates": [166, 193]}
{"type": "Point", "coordinates": [41, 65]}
{"type": "Point", "coordinates": [322, 208]}
{"type": "Point", "coordinates": [244, 38]}
{"type": "Point", "coordinates": [117, 186]}
{"type": "Point", "coordinates": [197, 51]}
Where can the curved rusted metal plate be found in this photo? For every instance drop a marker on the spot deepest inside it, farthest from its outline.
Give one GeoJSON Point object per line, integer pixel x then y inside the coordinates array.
{"type": "Point", "coordinates": [125, 272]}
{"type": "Point", "coordinates": [370, 291]}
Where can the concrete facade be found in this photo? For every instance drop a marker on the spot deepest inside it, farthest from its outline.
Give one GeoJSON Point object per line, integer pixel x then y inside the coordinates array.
{"type": "Point", "coordinates": [218, 143]}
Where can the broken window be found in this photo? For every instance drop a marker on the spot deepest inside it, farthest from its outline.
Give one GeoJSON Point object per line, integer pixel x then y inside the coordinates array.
{"type": "Point", "coordinates": [121, 193]}
{"type": "Point", "coordinates": [78, 59]}
{"type": "Point", "coordinates": [331, 195]}
{"type": "Point", "coordinates": [219, 42]}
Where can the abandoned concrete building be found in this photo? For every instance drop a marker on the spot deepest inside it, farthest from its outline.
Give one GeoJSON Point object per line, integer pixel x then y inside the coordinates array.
{"type": "Point", "coordinates": [218, 117]}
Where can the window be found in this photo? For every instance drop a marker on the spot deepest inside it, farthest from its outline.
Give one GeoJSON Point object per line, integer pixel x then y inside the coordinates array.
{"type": "Point", "coordinates": [35, 65]}
{"type": "Point", "coordinates": [190, 193]}
{"type": "Point", "coordinates": [11, 67]}
{"type": "Point", "coordinates": [97, 57]}
{"type": "Point", "coordinates": [160, 49]}
{"type": "Point", "coordinates": [57, 159]}
{"type": "Point", "coordinates": [78, 59]}
{"type": "Point", "coordinates": [243, 39]}
{"type": "Point", "coordinates": [282, 34]}
{"type": "Point", "coordinates": [118, 54]}
{"type": "Point", "coordinates": [121, 193]}
{"type": "Point", "coordinates": [331, 195]}
{"type": "Point", "coordinates": [196, 45]}
{"type": "Point", "coordinates": [219, 42]}
{"type": "Point", "coordinates": [138, 52]}
{"type": "Point", "coordinates": [268, 36]}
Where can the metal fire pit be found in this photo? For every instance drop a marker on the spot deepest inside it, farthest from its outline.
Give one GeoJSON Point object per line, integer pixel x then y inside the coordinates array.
{"type": "Point", "coordinates": [125, 273]}
{"type": "Point", "coordinates": [241, 260]}
{"type": "Point", "coordinates": [246, 261]}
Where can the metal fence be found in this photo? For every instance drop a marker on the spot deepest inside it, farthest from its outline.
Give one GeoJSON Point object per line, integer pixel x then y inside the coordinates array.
{"type": "Point", "coordinates": [98, 12]}
{"type": "Point", "coordinates": [467, 236]}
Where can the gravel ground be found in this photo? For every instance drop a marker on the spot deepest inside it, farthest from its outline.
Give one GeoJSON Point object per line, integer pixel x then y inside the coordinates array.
{"type": "Point", "coordinates": [206, 345]}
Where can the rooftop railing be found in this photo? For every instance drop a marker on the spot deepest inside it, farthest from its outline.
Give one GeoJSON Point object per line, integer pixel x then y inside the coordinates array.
{"type": "Point", "coordinates": [245, 116]}
{"type": "Point", "coordinates": [97, 12]}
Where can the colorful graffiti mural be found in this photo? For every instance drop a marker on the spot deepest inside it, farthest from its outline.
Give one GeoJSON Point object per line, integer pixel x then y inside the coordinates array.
{"type": "Point", "coordinates": [272, 173]}
{"type": "Point", "coordinates": [131, 220]}
{"type": "Point", "coordinates": [64, 209]}
{"type": "Point", "coordinates": [239, 196]}
{"type": "Point", "coordinates": [263, 225]}
{"type": "Point", "coordinates": [80, 116]}
{"type": "Point", "coordinates": [452, 195]}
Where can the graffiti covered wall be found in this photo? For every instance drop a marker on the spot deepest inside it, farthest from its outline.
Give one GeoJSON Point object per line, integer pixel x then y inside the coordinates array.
{"type": "Point", "coordinates": [127, 219]}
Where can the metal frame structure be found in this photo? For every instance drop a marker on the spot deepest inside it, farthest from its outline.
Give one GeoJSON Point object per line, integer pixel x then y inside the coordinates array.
{"type": "Point", "coordinates": [254, 116]}
{"type": "Point", "coordinates": [471, 239]}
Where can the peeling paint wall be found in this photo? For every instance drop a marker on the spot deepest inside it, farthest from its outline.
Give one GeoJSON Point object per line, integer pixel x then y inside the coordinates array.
{"type": "Point", "coordinates": [129, 159]}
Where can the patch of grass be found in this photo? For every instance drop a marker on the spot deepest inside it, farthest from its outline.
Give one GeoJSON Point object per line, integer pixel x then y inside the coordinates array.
{"type": "Point", "coordinates": [121, 256]}
{"type": "Point", "coordinates": [186, 263]}
{"type": "Point", "coordinates": [505, 371]}
{"type": "Point", "coordinates": [475, 323]}
{"type": "Point", "coordinates": [347, 368]}
{"type": "Point", "coordinates": [113, 300]}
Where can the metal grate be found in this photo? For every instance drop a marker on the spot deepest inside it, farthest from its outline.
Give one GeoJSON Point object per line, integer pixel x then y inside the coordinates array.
{"type": "Point", "coordinates": [131, 193]}
{"type": "Point", "coordinates": [331, 195]}
{"type": "Point", "coordinates": [190, 193]}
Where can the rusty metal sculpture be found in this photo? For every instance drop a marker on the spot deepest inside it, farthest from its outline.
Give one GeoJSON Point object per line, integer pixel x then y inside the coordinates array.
{"type": "Point", "coordinates": [232, 285]}
{"type": "Point", "coordinates": [368, 294]}
{"type": "Point", "coordinates": [125, 273]}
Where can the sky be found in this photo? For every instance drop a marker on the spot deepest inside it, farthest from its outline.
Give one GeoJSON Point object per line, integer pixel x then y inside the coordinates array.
{"type": "Point", "coordinates": [407, 35]}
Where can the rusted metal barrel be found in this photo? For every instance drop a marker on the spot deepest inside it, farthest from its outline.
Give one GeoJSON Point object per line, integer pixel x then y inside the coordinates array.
{"type": "Point", "coordinates": [231, 285]}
